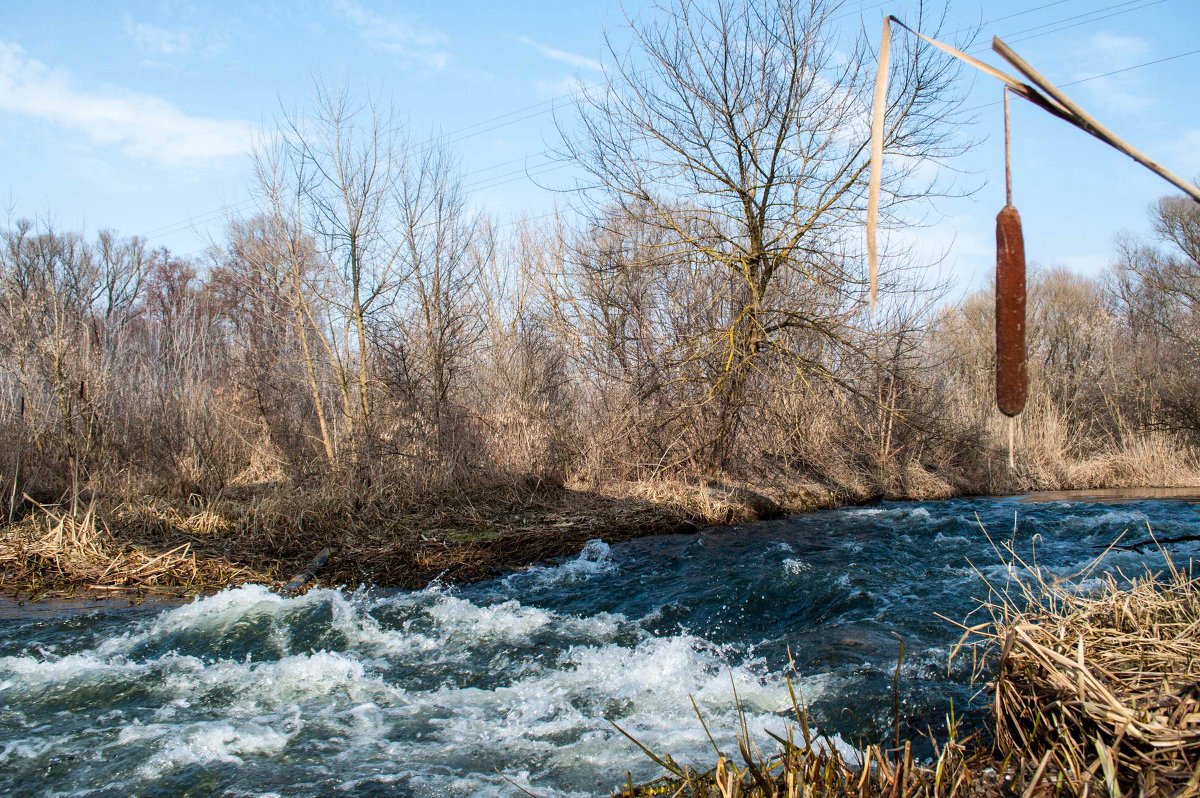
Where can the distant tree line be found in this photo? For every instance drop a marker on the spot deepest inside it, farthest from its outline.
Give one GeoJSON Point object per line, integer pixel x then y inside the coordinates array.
{"type": "Point", "coordinates": [698, 310]}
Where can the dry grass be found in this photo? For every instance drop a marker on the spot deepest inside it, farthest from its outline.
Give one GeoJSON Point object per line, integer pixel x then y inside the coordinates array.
{"type": "Point", "coordinates": [457, 534]}
{"type": "Point", "coordinates": [377, 536]}
{"type": "Point", "coordinates": [1153, 459]}
{"type": "Point", "coordinates": [57, 553]}
{"type": "Point", "coordinates": [809, 766]}
{"type": "Point", "coordinates": [726, 500]}
{"type": "Point", "coordinates": [1094, 692]}
{"type": "Point", "coordinates": [1099, 691]}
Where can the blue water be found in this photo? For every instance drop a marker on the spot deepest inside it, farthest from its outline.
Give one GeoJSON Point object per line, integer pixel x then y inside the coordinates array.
{"type": "Point", "coordinates": [512, 683]}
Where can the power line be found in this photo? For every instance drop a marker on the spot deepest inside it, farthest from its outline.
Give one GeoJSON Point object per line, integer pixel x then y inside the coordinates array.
{"type": "Point", "coordinates": [545, 106]}
{"type": "Point", "coordinates": [994, 20]}
{"type": "Point", "coordinates": [466, 132]}
{"type": "Point", "coordinates": [542, 169]}
{"type": "Point", "coordinates": [1026, 38]}
{"type": "Point", "coordinates": [1018, 36]}
{"type": "Point", "coordinates": [202, 218]}
{"type": "Point", "coordinates": [546, 170]}
{"type": "Point", "coordinates": [529, 112]}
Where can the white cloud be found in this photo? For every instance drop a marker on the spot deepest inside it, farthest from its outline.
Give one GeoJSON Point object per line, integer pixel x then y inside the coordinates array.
{"type": "Point", "coordinates": [1118, 49]}
{"type": "Point", "coordinates": [141, 125]}
{"type": "Point", "coordinates": [575, 60]}
{"type": "Point", "coordinates": [157, 41]}
{"type": "Point", "coordinates": [413, 44]}
{"type": "Point", "coordinates": [154, 40]}
{"type": "Point", "coordinates": [1126, 93]}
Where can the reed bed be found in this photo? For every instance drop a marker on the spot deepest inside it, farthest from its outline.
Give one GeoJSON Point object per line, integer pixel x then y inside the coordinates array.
{"type": "Point", "coordinates": [1097, 691]}
{"type": "Point", "coordinates": [1094, 691]}
{"type": "Point", "coordinates": [64, 552]}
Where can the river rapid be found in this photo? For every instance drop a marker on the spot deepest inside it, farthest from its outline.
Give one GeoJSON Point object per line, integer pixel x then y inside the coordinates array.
{"type": "Point", "coordinates": [509, 685]}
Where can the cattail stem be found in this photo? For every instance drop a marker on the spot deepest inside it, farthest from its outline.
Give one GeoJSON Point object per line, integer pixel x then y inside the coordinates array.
{"type": "Point", "coordinates": [1007, 153]}
{"type": "Point", "coordinates": [1012, 442]}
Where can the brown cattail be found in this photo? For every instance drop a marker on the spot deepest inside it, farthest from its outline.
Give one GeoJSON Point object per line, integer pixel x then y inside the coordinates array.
{"type": "Point", "coordinates": [1011, 380]}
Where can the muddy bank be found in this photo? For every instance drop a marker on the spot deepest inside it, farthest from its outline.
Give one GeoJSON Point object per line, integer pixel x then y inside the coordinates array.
{"type": "Point", "coordinates": [154, 549]}
{"type": "Point", "coordinates": [1115, 495]}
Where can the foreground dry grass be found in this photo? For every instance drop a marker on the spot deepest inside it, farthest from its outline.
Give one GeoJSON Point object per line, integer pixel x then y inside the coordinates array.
{"type": "Point", "coordinates": [1104, 689]}
{"type": "Point", "coordinates": [1094, 693]}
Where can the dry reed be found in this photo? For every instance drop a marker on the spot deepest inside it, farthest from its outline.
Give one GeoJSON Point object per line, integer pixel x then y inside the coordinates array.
{"type": "Point", "coordinates": [63, 552]}
{"type": "Point", "coordinates": [1095, 691]}
{"type": "Point", "coordinates": [811, 766]}
{"type": "Point", "coordinates": [1099, 689]}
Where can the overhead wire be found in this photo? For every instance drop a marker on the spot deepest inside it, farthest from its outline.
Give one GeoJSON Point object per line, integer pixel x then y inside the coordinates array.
{"type": "Point", "coordinates": [1018, 36]}
{"type": "Point", "coordinates": [1138, 6]}
{"type": "Point", "coordinates": [530, 111]}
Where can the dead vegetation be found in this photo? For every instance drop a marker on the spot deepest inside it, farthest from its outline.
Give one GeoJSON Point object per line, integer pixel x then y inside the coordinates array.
{"type": "Point", "coordinates": [362, 361]}
{"type": "Point", "coordinates": [1094, 687]}
{"type": "Point", "coordinates": [59, 553]}
{"type": "Point", "coordinates": [1101, 688]}
{"type": "Point", "coordinates": [458, 534]}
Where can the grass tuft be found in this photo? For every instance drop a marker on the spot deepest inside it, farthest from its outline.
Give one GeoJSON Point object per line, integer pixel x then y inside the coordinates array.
{"type": "Point", "coordinates": [1095, 691]}
{"type": "Point", "coordinates": [53, 552]}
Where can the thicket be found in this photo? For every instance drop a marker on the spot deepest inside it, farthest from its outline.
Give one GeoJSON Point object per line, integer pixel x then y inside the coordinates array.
{"type": "Point", "coordinates": [697, 315]}
{"type": "Point", "coordinates": [127, 371]}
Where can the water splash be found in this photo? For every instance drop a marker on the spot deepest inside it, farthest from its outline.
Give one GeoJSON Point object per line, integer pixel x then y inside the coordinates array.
{"type": "Point", "coordinates": [472, 690]}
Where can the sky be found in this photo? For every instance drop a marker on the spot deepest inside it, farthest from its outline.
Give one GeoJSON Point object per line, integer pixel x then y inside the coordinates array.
{"type": "Point", "coordinates": [140, 116]}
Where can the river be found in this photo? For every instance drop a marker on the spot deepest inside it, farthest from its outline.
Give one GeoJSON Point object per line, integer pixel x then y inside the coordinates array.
{"type": "Point", "coordinates": [511, 684]}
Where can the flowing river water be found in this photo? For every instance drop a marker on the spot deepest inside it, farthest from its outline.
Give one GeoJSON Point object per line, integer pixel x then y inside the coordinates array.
{"type": "Point", "coordinates": [511, 684]}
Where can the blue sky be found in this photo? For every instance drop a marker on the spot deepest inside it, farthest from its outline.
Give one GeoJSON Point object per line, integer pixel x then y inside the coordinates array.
{"type": "Point", "coordinates": [138, 116]}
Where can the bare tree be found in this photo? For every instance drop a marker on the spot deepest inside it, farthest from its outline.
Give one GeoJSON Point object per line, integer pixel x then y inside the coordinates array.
{"type": "Point", "coordinates": [1157, 289]}
{"type": "Point", "coordinates": [273, 269]}
{"type": "Point", "coordinates": [445, 247]}
{"type": "Point", "coordinates": [740, 130]}
{"type": "Point", "coordinates": [338, 168]}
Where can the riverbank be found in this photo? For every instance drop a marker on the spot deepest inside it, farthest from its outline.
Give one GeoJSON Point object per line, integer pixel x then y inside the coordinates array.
{"type": "Point", "coordinates": [155, 547]}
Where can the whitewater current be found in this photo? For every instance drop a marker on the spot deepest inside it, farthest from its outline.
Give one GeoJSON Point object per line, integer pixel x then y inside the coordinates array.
{"type": "Point", "coordinates": [515, 684]}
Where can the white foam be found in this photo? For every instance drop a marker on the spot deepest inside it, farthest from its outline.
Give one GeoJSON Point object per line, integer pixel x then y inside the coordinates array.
{"type": "Point", "coordinates": [202, 742]}
{"type": "Point", "coordinates": [32, 672]}
{"type": "Point", "coordinates": [795, 567]}
{"type": "Point", "coordinates": [901, 511]}
{"type": "Point", "coordinates": [647, 689]}
{"type": "Point", "coordinates": [293, 680]}
{"type": "Point", "coordinates": [593, 560]}
{"type": "Point", "coordinates": [509, 619]}
{"type": "Point", "coordinates": [554, 710]}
